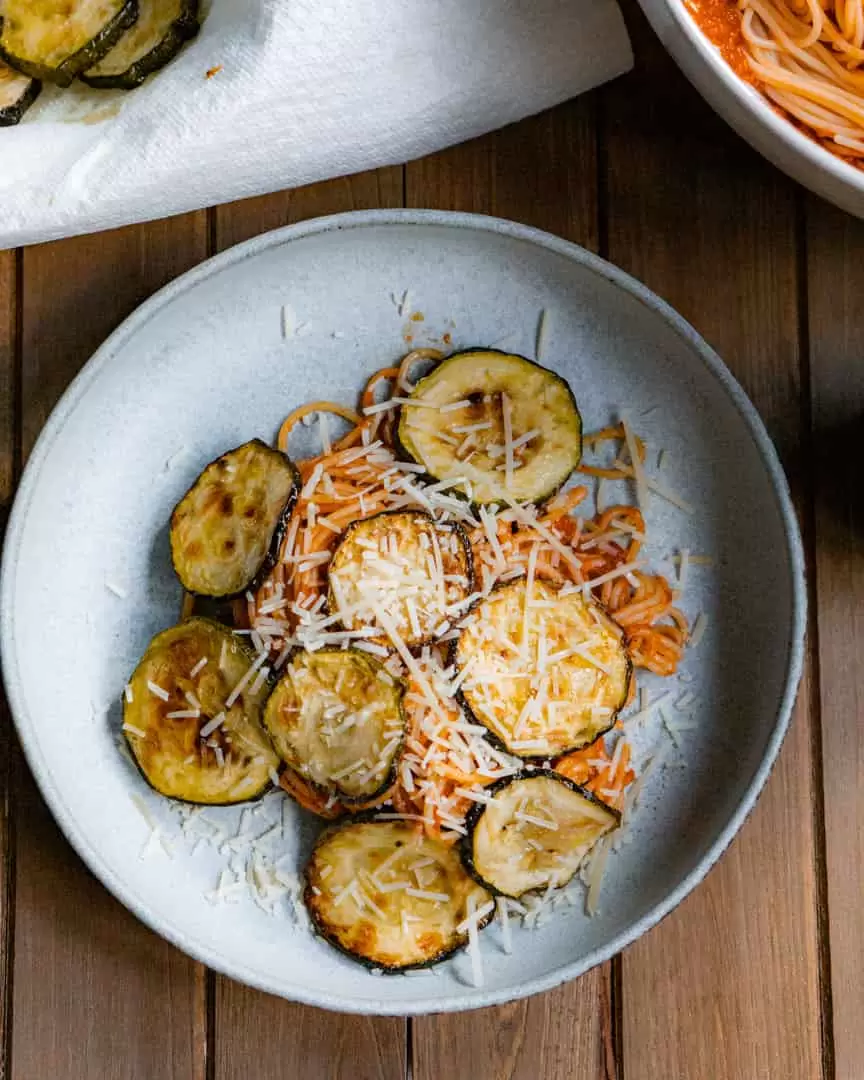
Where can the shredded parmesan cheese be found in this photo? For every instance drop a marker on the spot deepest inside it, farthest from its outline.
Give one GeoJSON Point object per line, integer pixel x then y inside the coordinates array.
{"type": "Point", "coordinates": [157, 691]}
{"type": "Point", "coordinates": [699, 628]}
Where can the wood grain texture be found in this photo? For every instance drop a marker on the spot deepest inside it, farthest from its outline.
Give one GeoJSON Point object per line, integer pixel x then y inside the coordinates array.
{"type": "Point", "coordinates": [835, 245]}
{"type": "Point", "coordinates": [366, 191]}
{"type": "Point", "coordinates": [554, 1036]}
{"type": "Point", "coordinates": [301, 1041]}
{"type": "Point", "coordinates": [96, 994]}
{"type": "Point", "coordinates": [77, 291]}
{"type": "Point", "coordinates": [542, 171]}
{"type": "Point", "coordinates": [9, 298]}
{"type": "Point", "coordinates": [265, 1037]}
{"type": "Point", "coordinates": [728, 985]}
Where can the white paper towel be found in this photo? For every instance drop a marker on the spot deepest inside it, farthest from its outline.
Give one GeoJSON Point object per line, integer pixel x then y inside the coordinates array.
{"type": "Point", "coordinates": [308, 89]}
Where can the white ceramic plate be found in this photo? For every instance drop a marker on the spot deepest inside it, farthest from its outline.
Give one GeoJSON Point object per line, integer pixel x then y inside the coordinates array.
{"type": "Point", "coordinates": [205, 365]}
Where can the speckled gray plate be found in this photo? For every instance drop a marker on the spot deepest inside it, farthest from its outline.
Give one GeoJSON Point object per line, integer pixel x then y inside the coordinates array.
{"type": "Point", "coordinates": [308, 312]}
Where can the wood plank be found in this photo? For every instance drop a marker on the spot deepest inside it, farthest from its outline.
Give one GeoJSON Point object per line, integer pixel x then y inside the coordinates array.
{"type": "Point", "coordinates": [8, 361]}
{"type": "Point", "coordinates": [553, 1036]}
{"type": "Point", "coordinates": [301, 1041]}
{"type": "Point", "coordinates": [542, 171]}
{"type": "Point", "coordinates": [728, 986]}
{"type": "Point", "coordinates": [96, 993]}
{"type": "Point", "coordinates": [274, 1039]}
{"type": "Point", "coordinates": [835, 245]}
{"type": "Point", "coordinates": [9, 300]}
{"type": "Point", "coordinates": [251, 217]}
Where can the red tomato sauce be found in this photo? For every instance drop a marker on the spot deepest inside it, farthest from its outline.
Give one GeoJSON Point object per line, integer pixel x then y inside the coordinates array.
{"type": "Point", "coordinates": [720, 22]}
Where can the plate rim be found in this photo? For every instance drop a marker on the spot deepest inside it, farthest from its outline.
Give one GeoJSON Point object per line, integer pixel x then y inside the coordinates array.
{"type": "Point", "coordinates": [347, 221]}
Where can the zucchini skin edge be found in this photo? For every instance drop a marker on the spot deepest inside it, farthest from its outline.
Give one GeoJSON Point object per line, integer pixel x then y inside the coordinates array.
{"type": "Point", "coordinates": [320, 931]}
{"type": "Point", "coordinates": [13, 114]}
{"type": "Point", "coordinates": [279, 533]}
{"type": "Point", "coordinates": [183, 29]}
{"type": "Point", "coordinates": [472, 818]}
{"type": "Point", "coordinates": [455, 526]}
{"type": "Point", "coordinates": [496, 740]}
{"type": "Point", "coordinates": [404, 454]}
{"type": "Point", "coordinates": [346, 801]}
{"type": "Point", "coordinates": [88, 55]}
{"type": "Point", "coordinates": [269, 786]}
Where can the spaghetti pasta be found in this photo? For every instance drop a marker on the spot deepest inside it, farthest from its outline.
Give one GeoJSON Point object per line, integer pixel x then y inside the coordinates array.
{"type": "Point", "coordinates": [806, 56]}
{"type": "Point", "coordinates": [445, 765]}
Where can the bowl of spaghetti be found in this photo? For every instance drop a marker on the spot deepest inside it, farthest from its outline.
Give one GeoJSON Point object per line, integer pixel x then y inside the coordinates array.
{"type": "Point", "coordinates": [788, 75]}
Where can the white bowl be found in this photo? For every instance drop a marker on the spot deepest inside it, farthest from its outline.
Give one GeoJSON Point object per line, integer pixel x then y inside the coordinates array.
{"type": "Point", "coordinates": [207, 363]}
{"type": "Point", "coordinates": [750, 114]}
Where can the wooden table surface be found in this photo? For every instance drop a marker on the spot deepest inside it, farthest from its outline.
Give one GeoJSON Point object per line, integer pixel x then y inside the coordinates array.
{"type": "Point", "coordinates": [760, 973]}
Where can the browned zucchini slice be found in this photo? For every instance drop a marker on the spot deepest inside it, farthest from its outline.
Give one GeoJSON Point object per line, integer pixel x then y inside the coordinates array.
{"type": "Point", "coordinates": [534, 833]}
{"type": "Point", "coordinates": [518, 435]}
{"type": "Point", "coordinates": [163, 27]}
{"type": "Point", "coordinates": [389, 896]}
{"type": "Point", "coordinates": [227, 528]}
{"type": "Point", "coordinates": [335, 717]}
{"type": "Point", "coordinates": [193, 735]}
{"type": "Point", "coordinates": [401, 569]}
{"type": "Point", "coordinates": [548, 673]}
{"type": "Point", "coordinates": [56, 40]}
{"type": "Point", "coordinates": [17, 94]}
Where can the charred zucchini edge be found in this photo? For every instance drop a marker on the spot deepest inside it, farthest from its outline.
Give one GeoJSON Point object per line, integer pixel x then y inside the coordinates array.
{"type": "Point", "coordinates": [183, 29]}
{"type": "Point", "coordinates": [12, 114]}
{"type": "Point", "coordinates": [403, 453]}
{"type": "Point", "coordinates": [279, 532]}
{"type": "Point", "coordinates": [88, 55]}
{"type": "Point", "coordinates": [131, 750]}
{"type": "Point", "coordinates": [455, 527]}
{"type": "Point", "coordinates": [352, 804]}
{"type": "Point", "coordinates": [476, 811]}
{"type": "Point", "coordinates": [320, 931]}
{"type": "Point", "coordinates": [496, 739]}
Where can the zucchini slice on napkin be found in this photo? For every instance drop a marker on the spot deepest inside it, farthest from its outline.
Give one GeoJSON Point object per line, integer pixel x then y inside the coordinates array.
{"type": "Point", "coordinates": [401, 571]}
{"type": "Point", "coordinates": [56, 40]}
{"type": "Point", "coordinates": [516, 435]}
{"type": "Point", "coordinates": [535, 832]}
{"type": "Point", "coordinates": [390, 897]}
{"type": "Point", "coordinates": [227, 528]}
{"type": "Point", "coordinates": [549, 670]}
{"type": "Point", "coordinates": [335, 717]}
{"type": "Point", "coordinates": [163, 28]}
{"type": "Point", "coordinates": [17, 94]}
{"type": "Point", "coordinates": [192, 716]}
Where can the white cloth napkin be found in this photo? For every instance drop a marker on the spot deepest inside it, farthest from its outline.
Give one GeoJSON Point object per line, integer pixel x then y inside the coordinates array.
{"type": "Point", "coordinates": [308, 89]}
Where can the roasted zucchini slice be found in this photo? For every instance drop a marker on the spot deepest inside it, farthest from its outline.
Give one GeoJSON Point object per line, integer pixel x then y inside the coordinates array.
{"type": "Point", "coordinates": [401, 570]}
{"type": "Point", "coordinates": [56, 40]}
{"type": "Point", "coordinates": [389, 896]}
{"type": "Point", "coordinates": [535, 831]}
{"type": "Point", "coordinates": [227, 528]}
{"type": "Point", "coordinates": [548, 672]}
{"type": "Point", "coordinates": [335, 717]}
{"type": "Point", "coordinates": [163, 28]}
{"type": "Point", "coordinates": [17, 94]}
{"type": "Point", "coordinates": [192, 716]}
{"type": "Point", "coordinates": [517, 436]}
